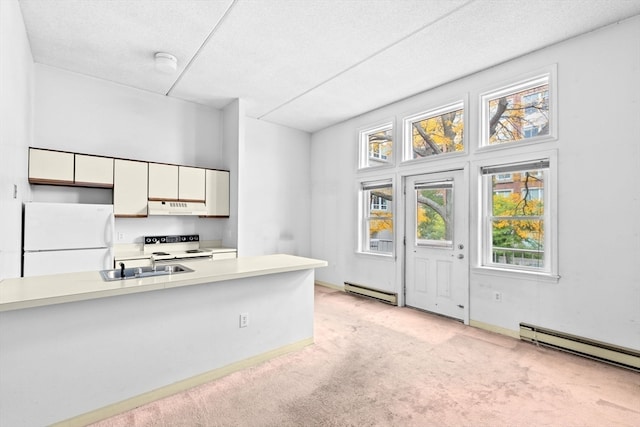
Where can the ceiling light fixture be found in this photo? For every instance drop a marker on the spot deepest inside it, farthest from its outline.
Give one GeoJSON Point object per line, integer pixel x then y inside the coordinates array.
{"type": "Point", "coordinates": [166, 63]}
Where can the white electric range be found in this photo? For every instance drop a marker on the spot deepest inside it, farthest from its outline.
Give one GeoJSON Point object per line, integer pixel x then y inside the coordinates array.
{"type": "Point", "coordinates": [175, 248]}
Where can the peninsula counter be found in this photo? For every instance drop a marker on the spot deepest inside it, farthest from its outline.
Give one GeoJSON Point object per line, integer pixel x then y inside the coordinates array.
{"type": "Point", "coordinates": [76, 349]}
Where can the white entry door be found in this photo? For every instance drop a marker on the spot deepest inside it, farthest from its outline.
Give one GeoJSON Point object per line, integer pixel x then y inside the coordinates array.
{"type": "Point", "coordinates": [437, 241]}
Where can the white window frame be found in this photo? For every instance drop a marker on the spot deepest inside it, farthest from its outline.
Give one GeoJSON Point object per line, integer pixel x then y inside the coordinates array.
{"type": "Point", "coordinates": [550, 197]}
{"type": "Point", "coordinates": [547, 76]}
{"type": "Point", "coordinates": [363, 246]}
{"type": "Point", "coordinates": [407, 130]}
{"type": "Point", "coordinates": [364, 159]}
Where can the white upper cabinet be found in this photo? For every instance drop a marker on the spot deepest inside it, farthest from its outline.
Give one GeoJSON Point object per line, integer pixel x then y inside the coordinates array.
{"type": "Point", "coordinates": [172, 182]}
{"type": "Point", "coordinates": [134, 182]}
{"type": "Point", "coordinates": [94, 171]}
{"type": "Point", "coordinates": [50, 167]}
{"type": "Point", "coordinates": [217, 200]}
{"type": "Point", "coordinates": [191, 184]}
{"type": "Point", "coordinates": [163, 182]}
{"type": "Point", "coordinates": [130, 188]}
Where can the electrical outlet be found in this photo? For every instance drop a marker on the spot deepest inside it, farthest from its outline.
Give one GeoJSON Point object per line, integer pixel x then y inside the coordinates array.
{"type": "Point", "coordinates": [120, 236]}
{"type": "Point", "coordinates": [244, 320]}
{"type": "Point", "coordinates": [497, 296]}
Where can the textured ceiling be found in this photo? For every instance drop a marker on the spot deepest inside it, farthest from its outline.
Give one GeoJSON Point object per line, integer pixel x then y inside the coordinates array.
{"type": "Point", "coordinates": [306, 64]}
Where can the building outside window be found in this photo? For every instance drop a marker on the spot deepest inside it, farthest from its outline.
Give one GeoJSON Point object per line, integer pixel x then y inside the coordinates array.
{"type": "Point", "coordinates": [376, 226]}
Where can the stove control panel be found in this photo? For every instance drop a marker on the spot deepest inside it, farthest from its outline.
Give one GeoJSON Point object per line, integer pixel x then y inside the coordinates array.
{"type": "Point", "coordinates": [187, 238]}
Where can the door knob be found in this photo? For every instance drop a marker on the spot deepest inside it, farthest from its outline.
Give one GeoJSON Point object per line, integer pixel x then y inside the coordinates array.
{"type": "Point", "coordinates": [460, 256]}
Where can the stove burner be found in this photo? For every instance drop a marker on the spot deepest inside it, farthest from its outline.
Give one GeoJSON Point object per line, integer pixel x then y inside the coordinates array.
{"type": "Point", "coordinates": [193, 251]}
{"type": "Point", "coordinates": [160, 253]}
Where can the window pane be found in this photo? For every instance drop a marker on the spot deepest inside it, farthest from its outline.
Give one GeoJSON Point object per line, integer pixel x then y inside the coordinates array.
{"type": "Point", "coordinates": [377, 146]}
{"type": "Point", "coordinates": [520, 196]}
{"type": "Point", "coordinates": [518, 242]}
{"type": "Point", "coordinates": [434, 216]}
{"type": "Point", "coordinates": [519, 115]}
{"type": "Point", "coordinates": [517, 219]}
{"type": "Point", "coordinates": [380, 235]}
{"type": "Point", "coordinates": [378, 218]}
{"type": "Point", "coordinates": [439, 134]}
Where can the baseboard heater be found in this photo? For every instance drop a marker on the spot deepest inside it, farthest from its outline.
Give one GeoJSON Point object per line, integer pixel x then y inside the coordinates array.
{"type": "Point", "coordinates": [620, 356]}
{"type": "Point", "coordinates": [388, 297]}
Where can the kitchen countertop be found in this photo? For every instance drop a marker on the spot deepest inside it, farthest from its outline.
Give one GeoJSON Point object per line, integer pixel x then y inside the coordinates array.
{"type": "Point", "coordinates": [39, 291]}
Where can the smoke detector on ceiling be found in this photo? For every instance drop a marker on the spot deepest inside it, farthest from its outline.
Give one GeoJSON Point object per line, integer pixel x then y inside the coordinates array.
{"type": "Point", "coordinates": [166, 63]}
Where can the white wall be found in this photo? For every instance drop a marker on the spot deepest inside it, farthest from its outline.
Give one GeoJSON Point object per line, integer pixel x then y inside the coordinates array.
{"type": "Point", "coordinates": [16, 75]}
{"type": "Point", "coordinates": [598, 294]}
{"type": "Point", "coordinates": [233, 125]}
{"type": "Point", "coordinates": [274, 190]}
{"type": "Point", "coordinates": [77, 113]}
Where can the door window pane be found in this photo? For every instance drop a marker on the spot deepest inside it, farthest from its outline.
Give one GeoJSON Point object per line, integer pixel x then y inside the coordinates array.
{"type": "Point", "coordinates": [434, 214]}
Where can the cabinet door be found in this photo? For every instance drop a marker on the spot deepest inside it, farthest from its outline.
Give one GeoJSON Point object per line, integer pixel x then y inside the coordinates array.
{"type": "Point", "coordinates": [163, 182]}
{"type": "Point", "coordinates": [94, 171]}
{"type": "Point", "coordinates": [50, 167]}
{"type": "Point", "coordinates": [217, 193]}
{"type": "Point", "coordinates": [191, 184]}
{"type": "Point", "coordinates": [130, 188]}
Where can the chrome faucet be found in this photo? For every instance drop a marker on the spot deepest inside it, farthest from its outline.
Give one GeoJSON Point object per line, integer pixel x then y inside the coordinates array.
{"type": "Point", "coordinates": [153, 263]}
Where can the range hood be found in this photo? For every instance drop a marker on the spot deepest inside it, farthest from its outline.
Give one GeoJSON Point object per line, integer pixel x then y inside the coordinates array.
{"type": "Point", "coordinates": [157, 207]}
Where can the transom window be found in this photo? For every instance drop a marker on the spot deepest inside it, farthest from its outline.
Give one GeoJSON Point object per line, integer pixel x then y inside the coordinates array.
{"type": "Point", "coordinates": [376, 146]}
{"type": "Point", "coordinates": [376, 234]}
{"type": "Point", "coordinates": [516, 217]}
{"type": "Point", "coordinates": [518, 112]}
{"type": "Point", "coordinates": [434, 132]}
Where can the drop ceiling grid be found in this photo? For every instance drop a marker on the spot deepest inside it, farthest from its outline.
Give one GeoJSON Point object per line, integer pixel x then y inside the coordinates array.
{"type": "Point", "coordinates": [282, 49]}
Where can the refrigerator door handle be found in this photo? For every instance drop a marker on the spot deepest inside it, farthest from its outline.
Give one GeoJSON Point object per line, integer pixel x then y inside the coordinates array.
{"type": "Point", "coordinates": [109, 231]}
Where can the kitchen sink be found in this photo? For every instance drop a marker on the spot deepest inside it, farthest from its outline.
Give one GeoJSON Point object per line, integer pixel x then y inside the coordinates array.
{"type": "Point", "coordinates": [141, 272]}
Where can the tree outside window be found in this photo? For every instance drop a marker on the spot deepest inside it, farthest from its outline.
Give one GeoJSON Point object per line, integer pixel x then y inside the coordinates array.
{"type": "Point", "coordinates": [519, 112]}
{"type": "Point", "coordinates": [435, 132]}
{"type": "Point", "coordinates": [434, 216]}
{"type": "Point", "coordinates": [516, 216]}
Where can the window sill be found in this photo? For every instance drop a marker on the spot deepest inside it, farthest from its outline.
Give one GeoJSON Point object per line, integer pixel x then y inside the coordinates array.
{"type": "Point", "coordinates": [366, 169]}
{"type": "Point", "coordinates": [433, 158]}
{"type": "Point", "coordinates": [517, 274]}
{"type": "Point", "coordinates": [535, 141]}
{"type": "Point", "coordinates": [389, 257]}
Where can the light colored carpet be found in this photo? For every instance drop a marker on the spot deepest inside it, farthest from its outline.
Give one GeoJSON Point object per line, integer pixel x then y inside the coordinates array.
{"type": "Point", "coordinates": [377, 365]}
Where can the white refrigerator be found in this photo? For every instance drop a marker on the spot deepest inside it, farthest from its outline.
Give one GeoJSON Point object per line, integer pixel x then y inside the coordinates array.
{"type": "Point", "coordinates": [67, 237]}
